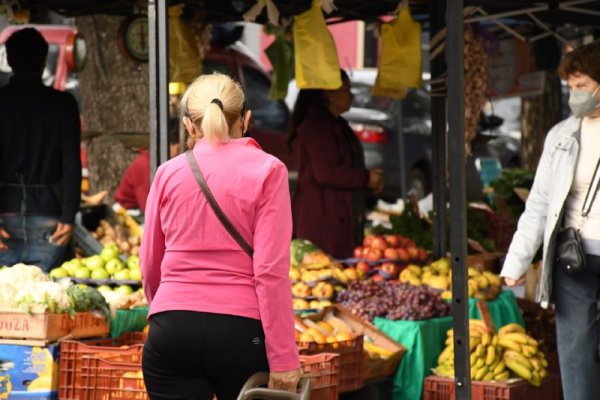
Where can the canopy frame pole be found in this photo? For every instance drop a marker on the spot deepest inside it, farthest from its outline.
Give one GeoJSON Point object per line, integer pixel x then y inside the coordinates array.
{"type": "Point", "coordinates": [158, 68]}
{"type": "Point", "coordinates": [458, 201]}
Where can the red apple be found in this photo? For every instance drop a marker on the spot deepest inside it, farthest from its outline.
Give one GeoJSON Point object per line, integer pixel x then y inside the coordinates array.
{"type": "Point", "coordinates": [377, 278]}
{"type": "Point", "coordinates": [390, 268]}
{"type": "Point", "coordinates": [358, 252]}
{"type": "Point", "coordinates": [423, 255]}
{"type": "Point", "coordinates": [390, 254]}
{"type": "Point", "coordinates": [402, 254]}
{"type": "Point", "coordinates": [367, 240]}
{"type": "Point", "coordinates": [413, 252]}
{"type": "Point", "coordinates": [365, 251]}
{"type": "Point", "coordinates": [374, 255]}
{"type": "Point", "coordinates": [379, 243]}
{"type": "Point", "coordinates": [363, 266]}
{"type": "Point", "coordinates": [392, 240]}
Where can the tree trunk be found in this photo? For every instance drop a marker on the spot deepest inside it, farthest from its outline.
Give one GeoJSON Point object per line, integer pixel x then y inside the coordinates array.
{"type": "Point", "coordinates": [538, 115]}
{"type": "Point", "coordinates": [114, 101]}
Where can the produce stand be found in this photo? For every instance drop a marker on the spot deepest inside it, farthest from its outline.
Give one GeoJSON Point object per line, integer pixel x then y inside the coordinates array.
{"type": "Point", "coordinates": [424, 341]}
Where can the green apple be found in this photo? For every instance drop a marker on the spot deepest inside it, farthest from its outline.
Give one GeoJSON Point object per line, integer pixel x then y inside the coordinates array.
{"type": "Point", "coordinates": [124, 289]}
{"type": "Point", "coordinates": [70, 267]}
{"type": "Point", "coordinates": [94, 262]}
{"type": "Point", "coordinates": [78, 262]}
{"type": "Point", "coordinates": [121, 275]}
{"type": "Point", "coordinates": [113, 265]}
{"type": "Point", "coordinates": [99, 273]}
{"type": "Point", "coordinates": [109, 252]}
{"type": "Point", "coordinates": [133, 262]}
{"type": "Point", "coordinates": [104, 288]}
{"type": "Point", "coordinates": [135, 274]}
{"type": "Point", "coordinates": [59, 273]}
{"type": "Point", "coordinates": [82, 273]}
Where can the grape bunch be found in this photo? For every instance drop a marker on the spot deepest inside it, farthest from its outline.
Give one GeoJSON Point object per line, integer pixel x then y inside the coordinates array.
{"type": "Point", "coordinates": [370, 299]}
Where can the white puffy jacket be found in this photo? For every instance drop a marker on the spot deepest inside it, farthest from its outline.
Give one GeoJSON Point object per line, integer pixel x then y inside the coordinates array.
{"type": "Point", "coordinates": [539, 223]}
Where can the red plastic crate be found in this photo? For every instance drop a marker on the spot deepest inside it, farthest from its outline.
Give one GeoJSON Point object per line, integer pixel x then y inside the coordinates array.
{"type": "Point", "coordinates": [440, 388]}
{"type": "Point", "coordinates": [351, 360]}
{"type": "Point", "coordinates": [115, 377]}
{"type": "Point", "coordinates": [323, 369]}
{"type": "Point", "coordinates": [72, 351]}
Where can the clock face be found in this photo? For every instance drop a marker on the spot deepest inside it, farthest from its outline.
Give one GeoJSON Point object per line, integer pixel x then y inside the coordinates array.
{"type": "Point", "coordinates": [136, 38]}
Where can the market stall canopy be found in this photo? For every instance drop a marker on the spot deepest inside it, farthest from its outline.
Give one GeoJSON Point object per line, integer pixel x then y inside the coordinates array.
{"type": "Point", "coordinates": [577, 12]}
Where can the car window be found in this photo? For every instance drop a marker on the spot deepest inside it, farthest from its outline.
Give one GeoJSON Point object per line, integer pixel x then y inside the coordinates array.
{"type": "Point", "coordinates": [208, 67]}
{"type": "Point", "coordinates": [267, 114]}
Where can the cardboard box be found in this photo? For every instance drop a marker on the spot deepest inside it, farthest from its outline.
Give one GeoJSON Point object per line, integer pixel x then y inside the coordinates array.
{"type": "Point", "coordinates": [29, 372]}
{"type": "Point", "coordinates": [16, 324]}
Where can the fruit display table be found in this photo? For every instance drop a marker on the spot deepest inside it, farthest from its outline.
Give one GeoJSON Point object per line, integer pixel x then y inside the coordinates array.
{"type": "Point", "coordinates": [424, 341]}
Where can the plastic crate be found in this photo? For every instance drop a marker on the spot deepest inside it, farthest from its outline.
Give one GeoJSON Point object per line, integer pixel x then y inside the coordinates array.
{"type": "Point", "coordinates": [72, 351]}
{"type": "Point", "coordinates": [323, 369]}
{"type": "Point", "coordinates": [440, 388]}
{"type": "Point", "coordinates": [351, 360]}
{"type": "Point", "coordinates": [114, 377]}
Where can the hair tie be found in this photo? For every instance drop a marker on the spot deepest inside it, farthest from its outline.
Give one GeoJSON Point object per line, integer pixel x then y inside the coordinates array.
{"type": "Point", "coordinates": [217, 102]}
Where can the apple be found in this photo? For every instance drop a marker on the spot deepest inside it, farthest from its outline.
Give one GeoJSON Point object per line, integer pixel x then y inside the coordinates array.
{"type": "Point", "coordinates": [358, 252]}
{"type": "Point", "coordinates": [392, 240]}
{"type": "Point", "coordinates": [70, 267]}
{"type": "Point", "coordinates": [365, 251]}
{"type": "Point", "coordinates": [379, 243]}
{"type": "Point", "coordinates": [59, 273]}
{"type": "Point", "coordinates": [99, 273]}
{"type": "Point", "coordinates": [113, 265]}
{"type": "Point", "coordinates": [135, 274]}
{"type": "Point", "coordinates": [122, 275]}
{"type": "Point", "coordinates": [374, 255]}
{"type": "Point", "coordinates": [367, 240]}
{"type": "Point", "coordinates": [363, 266]}
{"type": "Point", "coordinates": [94, 262]}
{"type": "Point", "coordinates": [377, 278]}
{"type": "Point", "coordinates": [104, 288]}
{"type": "Point", "coordinates": [124, 289]}
{"type": "Point", "coordinates": [423, 255]}
{"type": "Point", "coordinates": [390, 254]}
{"type": "Point", "coordinates": [390, 268]}
{"type": "Point", "coordinates": [402, 254]}
{"type": "Point", "coordinates": [133, 262]}
{"type": "Point", "coordinates": [110, 252]}
{"type": "Point", "coordinates": [82, 273]}
{"type": "Point", "coordinates": [413, 252]}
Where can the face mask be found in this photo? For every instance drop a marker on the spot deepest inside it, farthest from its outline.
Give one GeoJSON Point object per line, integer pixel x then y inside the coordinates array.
{"type": "Point", "coordinates": [583, 103]}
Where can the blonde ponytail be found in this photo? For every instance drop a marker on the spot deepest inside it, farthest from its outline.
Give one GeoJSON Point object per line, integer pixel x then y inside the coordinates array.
{"type": "Point", "coordinates": [214, 104]}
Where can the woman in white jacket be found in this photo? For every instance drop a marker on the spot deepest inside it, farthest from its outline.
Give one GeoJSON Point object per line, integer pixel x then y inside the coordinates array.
{"type": "Point", "coordinates": [569, 159]}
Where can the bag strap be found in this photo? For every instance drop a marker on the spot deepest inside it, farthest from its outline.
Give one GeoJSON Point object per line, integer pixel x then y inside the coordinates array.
{"type": "Point", "coordinates": [593, 190]}
{"type": "Point", "coordinates": [235, 234]}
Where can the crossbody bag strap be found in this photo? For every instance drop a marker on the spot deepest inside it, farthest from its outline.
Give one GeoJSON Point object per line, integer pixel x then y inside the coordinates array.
{"type": "Point", "coordinates": [592, 191]}
{"type": "Point", "coordinates": [235, 234]}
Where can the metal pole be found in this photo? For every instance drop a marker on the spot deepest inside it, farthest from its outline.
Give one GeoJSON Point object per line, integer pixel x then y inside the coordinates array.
{"type": "Point", "coordinates": [158, 35]}
{"type": "Point", "coordinates": [438, 137]}
{"type": "Point", "coordinates": [458, 221]}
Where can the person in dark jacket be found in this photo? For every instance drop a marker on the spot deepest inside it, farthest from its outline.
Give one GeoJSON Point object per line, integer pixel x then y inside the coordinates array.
{"type": "Point", "coordinates": [328, 204]}
{"type": "Point", "coordinates": [40, 165]}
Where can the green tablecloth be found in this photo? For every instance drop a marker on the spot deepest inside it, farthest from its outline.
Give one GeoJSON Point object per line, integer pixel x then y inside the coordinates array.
{"type": "Point", "coordinates": [131, 320]}
{"type": "Point", "coordinates": [424, 340]}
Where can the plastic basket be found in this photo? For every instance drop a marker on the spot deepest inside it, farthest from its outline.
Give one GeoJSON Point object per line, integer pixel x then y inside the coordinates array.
{"type": "Point", "coordinates": [351, 360]}
{"type": "Point", "coordinates": [440, 388]}
{"type": "Point", "coordinates": [72, 351]}
{"type": "Point", "coordinates": [114, 377]}
{"type": "Point", "coordinates": [323, 370]}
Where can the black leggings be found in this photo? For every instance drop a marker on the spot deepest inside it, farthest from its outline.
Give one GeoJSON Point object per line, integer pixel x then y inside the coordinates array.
{"type": "Point", "coordinates": [193, 355]}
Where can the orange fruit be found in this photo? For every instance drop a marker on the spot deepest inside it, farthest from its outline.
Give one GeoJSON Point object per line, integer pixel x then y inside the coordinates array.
{"type": "Point", "coordinates": [343, 336]}
{"type": "Point", "coordinates": [306, 337]}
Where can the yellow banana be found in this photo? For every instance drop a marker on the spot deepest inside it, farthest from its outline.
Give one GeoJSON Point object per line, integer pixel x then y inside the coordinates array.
{"type": "Point", "coordinates": [480, 363]}
{"type": "Point", "coordinates": [490, 356]}
{"type": "Point", "coordinates": [520, 338]}
{"type": "Point", "coordinates": [474, 342]}
{"type": "Point", "coordinates": [535, 380]}
{"type": "Point", "coordinates": [509, 344]}
{"type": "Point", "coordinates": [480, 350]}
{"type": "Point", "coordinates": [502, 376]}
{"type": "Point", "coordinates": [373, 348]}
{"type": "Point", "coordinates": [500, 367]}
{"type": "Point", "coordinates": [537, 364]}
{"type": "Point", "coordinates": [510, 328]}
{"type": "Point", "coordinates": [446, 353]}
{"type": "Point", "coordinates": [448, 341]}
{"type": "Point", "coordinates": [528, 350]}
{"type": "Point", "coordinates": [543, 373]}
{"type": "Point", "coordinates": [444, 371]}
{"type": "Point", "coordinates": [495, 340]}
{"type": "Point", "coordinates": [518, 369]}
{"type": "Point", "coordinates": [488, 377]}
{"type": "Point", "coordinates": [473, 359]}
{"type": "Point", "coordinates": [486, 339]}
{"type": "Point", "coordinates": [544, 361]}
{"type": "Point", "coordinates": [518, 357]}
{"type": "Point", "coordinates": [481, 373]}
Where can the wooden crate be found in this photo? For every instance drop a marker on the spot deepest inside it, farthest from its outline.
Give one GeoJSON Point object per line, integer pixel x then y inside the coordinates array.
{"type": "Point", "coordinates": [49, 327]}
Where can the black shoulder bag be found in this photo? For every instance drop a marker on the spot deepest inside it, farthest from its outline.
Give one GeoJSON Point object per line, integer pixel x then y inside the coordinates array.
{"type": "Point", "coordinates": [235, 234]}
{"type": "Point", "coordinates": [569, 250]}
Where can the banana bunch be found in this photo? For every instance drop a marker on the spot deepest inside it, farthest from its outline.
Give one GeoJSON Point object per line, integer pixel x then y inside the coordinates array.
{"type": "Point", "coordinates": [522, 355]}
{"type": "Point", "coordinates": [481, 285]}
{"type": "Point", "coordinates": [376, 352]}
{"type": "Point", "coordinates": [487, 362]}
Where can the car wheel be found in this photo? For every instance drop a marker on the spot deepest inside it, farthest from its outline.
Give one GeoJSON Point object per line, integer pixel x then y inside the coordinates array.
{"type": "Point", "coordinates": [418, 183]}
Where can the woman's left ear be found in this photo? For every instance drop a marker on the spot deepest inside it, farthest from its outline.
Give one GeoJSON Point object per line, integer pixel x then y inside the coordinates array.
{"type": "Point", "coordinates": [189, 125]}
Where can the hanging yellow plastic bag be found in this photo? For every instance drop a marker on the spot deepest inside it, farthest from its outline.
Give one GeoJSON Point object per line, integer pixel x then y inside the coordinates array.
{"type": "Point", "coordinates": [316, 59]}
{"type": "Point", "coordinates": [400, 63]}
{"type": "Point", "coordinates": [281, 56]}
{"type": "Point", "coordinates": [184, 57]}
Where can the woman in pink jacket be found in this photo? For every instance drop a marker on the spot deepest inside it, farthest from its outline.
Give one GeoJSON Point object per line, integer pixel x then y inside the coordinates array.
{"type": "Point", "coordinates": [218, 315]}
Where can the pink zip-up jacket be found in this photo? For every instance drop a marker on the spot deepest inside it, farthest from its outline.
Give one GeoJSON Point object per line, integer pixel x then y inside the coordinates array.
{"type": "Point", "coordinates": [190, 262]}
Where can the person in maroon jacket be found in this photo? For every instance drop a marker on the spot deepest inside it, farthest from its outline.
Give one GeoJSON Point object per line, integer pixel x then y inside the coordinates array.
{"type": "Point", "coordinates": [135, 185]}
{"type": "Point", "coordinates": [328, 204]}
